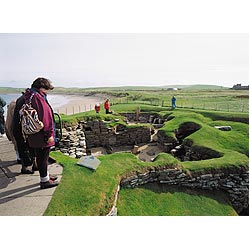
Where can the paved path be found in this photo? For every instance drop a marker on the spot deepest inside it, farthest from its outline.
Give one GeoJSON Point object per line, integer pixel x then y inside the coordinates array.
{"type": "Point", "coordinates": [21, 194]}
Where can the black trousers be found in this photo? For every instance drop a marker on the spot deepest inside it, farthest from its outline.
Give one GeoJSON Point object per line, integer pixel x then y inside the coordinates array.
{"type": "Point", "coordinates": [26, 153]}
{"type": "Point", "coordinates": [2, 123]}
{"type": "Point", "coordinates": [42, 157]}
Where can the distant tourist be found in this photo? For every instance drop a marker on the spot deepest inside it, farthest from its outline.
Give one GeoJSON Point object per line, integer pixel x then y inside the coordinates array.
{"type": "Point", "coordinates": [107, 106]}
{"type": "Point", "coordinates": [2, 122]}
{"type": "Point", "coordinates": [173, 102]}
{"type": "Point", "coordinates": [97, 108]}
{"type": "Point", "coordinates": [45, 138]}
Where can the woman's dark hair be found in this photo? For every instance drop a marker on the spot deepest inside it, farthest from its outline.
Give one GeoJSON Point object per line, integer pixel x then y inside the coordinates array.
{"type": "Point", "coordinates": [42, 83]}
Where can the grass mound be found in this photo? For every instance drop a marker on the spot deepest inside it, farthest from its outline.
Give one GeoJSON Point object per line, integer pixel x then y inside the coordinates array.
{"type": "Point", "coordinates": [158, 199]}
{"type": "Point", "coordinates": [86, 192]}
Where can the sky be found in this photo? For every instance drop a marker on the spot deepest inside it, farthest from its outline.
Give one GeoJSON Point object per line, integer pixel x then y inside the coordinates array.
{"type": "Point", "coordinates": [119, 59]}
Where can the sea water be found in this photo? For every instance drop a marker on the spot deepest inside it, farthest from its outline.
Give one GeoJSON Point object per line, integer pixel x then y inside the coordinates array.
{"type": "Point", "coordinates": [55, 101]}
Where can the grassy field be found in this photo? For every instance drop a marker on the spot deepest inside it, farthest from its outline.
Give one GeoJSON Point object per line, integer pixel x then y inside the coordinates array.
{"type": "Point", "coordinates": [206, 97]}
{"type": "Point", "coordinates": [158, 199]}
{"type": "Point", "coordinates": [86, 192]}
{"type": "Point", "coordinates": [216, 99]}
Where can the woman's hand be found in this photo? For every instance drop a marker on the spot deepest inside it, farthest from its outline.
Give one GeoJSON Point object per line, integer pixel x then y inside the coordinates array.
{"type": "Point", "coordinates": [51, 139]}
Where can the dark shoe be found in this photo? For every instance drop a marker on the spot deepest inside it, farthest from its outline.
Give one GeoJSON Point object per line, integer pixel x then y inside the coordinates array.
{"type": "Point", "coordinates": [18, 161]}
{"type": "Point", "coordinates": [26, 171]}
{"type": "Point", "coordinates": [48, 184]}
{"type": "Point", "coordinates": [53, 177]}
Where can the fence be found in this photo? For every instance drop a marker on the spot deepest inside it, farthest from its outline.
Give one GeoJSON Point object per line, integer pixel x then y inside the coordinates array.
{"type": "Point", "coordinates": [220, 106]}
{"type": "Point", "coordinates": [71, 110]}
{"type": "Point", "coordinates": [229, 106]}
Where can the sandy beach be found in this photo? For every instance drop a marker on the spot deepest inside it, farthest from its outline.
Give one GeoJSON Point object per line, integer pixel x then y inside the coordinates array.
{"type": "Point", "coordinates": [76, 104]}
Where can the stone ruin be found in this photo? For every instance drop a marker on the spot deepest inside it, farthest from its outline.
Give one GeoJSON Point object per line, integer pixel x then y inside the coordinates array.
{"type": "Point", "coordinates": [144, 141]}
{"type": "Point", "coordinates": [81, 139]}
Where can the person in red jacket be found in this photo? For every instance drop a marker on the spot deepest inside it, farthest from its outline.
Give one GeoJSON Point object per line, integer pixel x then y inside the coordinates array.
{"type": "Point", "coordinates": [45, 138]}
{"type": "Point", "coordinates": [107, 106]}
{"type": "Point", "coordinates": [97, 108]}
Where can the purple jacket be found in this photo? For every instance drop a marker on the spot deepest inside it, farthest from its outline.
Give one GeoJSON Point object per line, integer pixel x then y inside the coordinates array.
{"type": "Point", "coordinates": [45, 114]}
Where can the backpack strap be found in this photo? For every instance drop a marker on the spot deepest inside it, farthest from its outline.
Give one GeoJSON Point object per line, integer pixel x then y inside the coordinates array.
{"type": "Point", "coordinates": [31, 97]}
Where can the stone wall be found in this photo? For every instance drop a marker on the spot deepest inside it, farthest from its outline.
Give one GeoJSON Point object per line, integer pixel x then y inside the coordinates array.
{"type": "Point", "coordinates": [236, 183]}
{"type": "Point", "coordinates": [144, 118]}
{"type": "Point", "coordinates": [98, 135]}
{"type": "Point", "coordinates": [166, 143]}
{"type": "Point", "coordinates": [73, 142]}
{"type": "Point", "coordinates": [76, 140]}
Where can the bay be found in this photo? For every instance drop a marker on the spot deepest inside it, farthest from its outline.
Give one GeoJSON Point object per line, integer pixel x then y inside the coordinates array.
{"type": "Point", "coordinates": [55, 101]}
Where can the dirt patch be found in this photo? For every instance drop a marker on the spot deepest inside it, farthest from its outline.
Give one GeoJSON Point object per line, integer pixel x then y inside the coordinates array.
{"type": "Point", "coordinates": [148, 152]}
{"type": "Point", "coordinates": [243, 96]}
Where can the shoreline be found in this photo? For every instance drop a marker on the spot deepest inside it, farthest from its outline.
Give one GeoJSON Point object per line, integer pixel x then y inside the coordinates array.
{"type": "Point", "coordinates": [77, 103]}
{"type": "Point", "coordinates": [66, 103]}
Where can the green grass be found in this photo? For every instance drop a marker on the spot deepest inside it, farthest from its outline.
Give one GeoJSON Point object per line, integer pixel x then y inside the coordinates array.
{"type": "Point", "coordinates": [161, 200]}
{"type": "Point", "coordinates": [86, 192]}
{"type": "Point", "coordinates": [233, 145]}
{"type": "Point", "coordinates": [204, 97]}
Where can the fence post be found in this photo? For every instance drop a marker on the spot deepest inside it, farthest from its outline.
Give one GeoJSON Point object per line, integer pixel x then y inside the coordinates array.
{"type": "Point", "coordinates": [162, 103]}
{"type": "Point", "coordinates": [242, 107]}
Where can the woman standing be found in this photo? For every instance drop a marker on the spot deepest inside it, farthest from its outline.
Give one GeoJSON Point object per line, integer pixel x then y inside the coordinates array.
{"type": "Point", "coordinates": [107, 106]}
{"type": "Point", "coordinates": [45, 138]}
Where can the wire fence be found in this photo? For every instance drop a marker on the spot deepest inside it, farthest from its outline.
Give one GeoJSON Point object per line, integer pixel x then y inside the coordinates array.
{"type": "Point", "coordinates": [205, 105]}
{"type": "Point", "coordinates": [71, 110]}
{"type": "Point", "coordinates": [230, 106]}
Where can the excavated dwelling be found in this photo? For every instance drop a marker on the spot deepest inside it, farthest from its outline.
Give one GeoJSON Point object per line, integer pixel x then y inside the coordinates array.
{"type": "Point", "coordinates": [146, 142]}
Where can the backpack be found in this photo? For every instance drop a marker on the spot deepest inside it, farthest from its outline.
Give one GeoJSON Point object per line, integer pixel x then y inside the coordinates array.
{"type": "Point", "coordinates": [29, 119]}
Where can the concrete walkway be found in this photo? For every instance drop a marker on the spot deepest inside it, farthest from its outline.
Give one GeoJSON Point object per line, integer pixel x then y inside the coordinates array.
{"type": "Point", "coordinates": [21, 194]}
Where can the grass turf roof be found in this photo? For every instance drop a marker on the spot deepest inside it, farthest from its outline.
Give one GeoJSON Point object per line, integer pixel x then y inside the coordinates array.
{"type": "Point", "coordinates": [234, 144]}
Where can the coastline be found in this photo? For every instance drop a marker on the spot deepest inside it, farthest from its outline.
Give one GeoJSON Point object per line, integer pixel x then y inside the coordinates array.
{"type": "Point", "coordinates": [65, 103]}
{"type": "Point", "coordinates": [76, 104]}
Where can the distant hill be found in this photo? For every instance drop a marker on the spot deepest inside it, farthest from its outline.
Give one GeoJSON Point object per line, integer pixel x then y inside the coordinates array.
{"type": "Point", "coordinates": [121, 88]}
{"type": "Point", "coordinates": [6, 90]}
{"type": "Point", "coordinates": [141, 88]}
{"type": "Point", "coordinates": [201, 86]}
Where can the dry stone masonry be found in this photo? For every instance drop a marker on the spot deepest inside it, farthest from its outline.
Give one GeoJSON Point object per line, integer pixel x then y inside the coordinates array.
{"type": "Point", "coordinates": [236, 183]}
{"type": "Point", "coordinates": [79, 139]}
